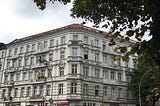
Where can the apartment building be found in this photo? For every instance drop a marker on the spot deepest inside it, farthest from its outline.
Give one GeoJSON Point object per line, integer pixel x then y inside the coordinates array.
{"type": "Point", "coordinates": [68, 66]}
{"type": "Point", "coordinates": [2, 58]}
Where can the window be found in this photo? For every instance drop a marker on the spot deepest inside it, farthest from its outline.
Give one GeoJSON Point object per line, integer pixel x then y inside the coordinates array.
{"type": "Point", "coordinates": [15, 51]}
{"type": "Point", "coordinates": [63, 40]}
{"type": "Point", "coordinates": [12, 77]}
{"type": "Point", "coordinates": [75, 37]}
{"type": "Point", "coordinates": [50, 56]}
{"type": "Point", "coordinates": [34, 90]}
{"type": "Point", "coordinates": [112, 92]}
{"type": "Point", "coordinates": [22, 91]}
{"type": "Point", "coordinates": [42, 72]}
{"type": "Point", "coordinates": [60, 89]}
{"type": "Point", "coordinates": [20, 62]}
{"type": "Point", "coordinates": [74, 51]}
{"type": "Point", "coordinates": [26, 61]}
{"type": "Point", "coordinates": [32, 61]}
{"type": "Point", "coordinates": [3, 93]}
{"type": "Point", "coordinates": [48, 88]}
{"type": "Point", "coordinates": [8, 64]}
{"type": "Point", "coordinates": [118, 61]}
{"type": "Point", "coordinates": [85, 54]}
{"type": "Point", "coordinates": [36, 74]}
{"type": "Point", "coordinates": [30, 75]}
{"type": "Point", "coordinates": [51, 43]}
{"type": "Point", "coordinates": [39, 46]}
{"type": "Point", "coordinates": [127, 77]}
{"type": "Point", "coordinates": [112, 75]}
{"type": "Point", "coordinates": [91, 42]}
{"type": "Point", "coordinates": [96, 56]}
{"type": "Point", "coordinates": [85, 40]}
{"type": "Point", "coordinates": [62, 55]}
{"type": "Point", "coordinates": [0, 66]}
{"type": "Point", "coordinates": [27, 48]}
{"type": "Point", "coordinates": [119, 76]}
{"type": "Point", "coordinates": [126, 63]}
{"type": "Point", "coordinates": [33, 47]}
{"type": "Point", "coordinates": [105, 59]}
{"type": "Point", "coordinates": [14, 63]}
{"type": "Point", "coordinates": [41, 89]}
{"type": "Point", "coordinates": [120, 93]}
{"type": "Point", "coordinates": [97, 72]}
{"type": "Point", "coordinates": [74, 68]}
{"type": "Point", "coordinates": [28, 91]}
{"type": "Point", "coordinates": [105, 74]}
{"type": "Point", "coordinates": [24, 76]}
{"type": "Point", "coordinates": [96, 42]}
{"type": "Point", "coordinates": [104, 47]}
{"type": "Point", "coordinates": [40, 58]}
{"type": "Point", "coordinates": [110, 59]}
{"type": "Point", "coordinates": [73, 87]}
{"type": "Point", "coordinates": [45, 45]}
{"type": "Point", "coordinates": [85, 89]}
{"type": "Point", "coordinates": [49, 72]}
{"type": "Point", "coordinates": [61, 71]}
{"type": "Point", "coordinates": [21, 49]}
{"type": "Point", "coordinates": [56, 42]}
{"type": "Point", "coordinates": [134, 63]}
{"type": "Point", "coordinates": [96, 90]}
{"type": "Point", "coordinates": [2, 54]}
{"type": "Point", "coordinates": [5, 78]}
{"type": "Point", "coordinates": [10, 52]}
{"type": "Point", "coordinates": [15, 92]}
{"type": "Point", "coordinates": [86, 71]}
{"type": "Point", "coordinates": [17, 76]}
{"type": "Point", "coordinates": [105, 91]}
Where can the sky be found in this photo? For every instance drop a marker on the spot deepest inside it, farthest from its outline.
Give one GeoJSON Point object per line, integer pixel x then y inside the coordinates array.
{"type": "Point", "coordinates": [20, 18]}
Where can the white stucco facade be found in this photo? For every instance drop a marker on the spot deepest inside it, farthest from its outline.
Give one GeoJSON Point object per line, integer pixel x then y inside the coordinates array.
{"type": "Point", "coordinates": [72, 65]}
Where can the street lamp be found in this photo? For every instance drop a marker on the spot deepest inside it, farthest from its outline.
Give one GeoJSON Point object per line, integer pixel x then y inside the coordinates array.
{"type": "Point", "coordinates": [139, 88]}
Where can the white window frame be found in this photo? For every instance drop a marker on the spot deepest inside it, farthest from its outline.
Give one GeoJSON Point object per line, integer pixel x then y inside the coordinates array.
{"type": "Point", "coordinates": [74, 68]}
{"type": "Point", "coordinates": [74, 51]}
{"type": "Point", "coordinates": [73, 87]}
{"type": "Point", "coordinates": [60, 88]}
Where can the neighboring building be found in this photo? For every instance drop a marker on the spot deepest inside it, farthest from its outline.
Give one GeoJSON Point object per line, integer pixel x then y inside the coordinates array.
{"type": "Point", "coordinates": [2, 59]}
{"type": "Point", "coordinates": [73, 65]}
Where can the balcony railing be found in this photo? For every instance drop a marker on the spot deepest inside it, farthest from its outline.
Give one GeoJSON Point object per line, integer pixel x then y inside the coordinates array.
{"type": "Point", "coordinates": [36, 97]}
{"type": "Point", "coordinates": [41, 78]}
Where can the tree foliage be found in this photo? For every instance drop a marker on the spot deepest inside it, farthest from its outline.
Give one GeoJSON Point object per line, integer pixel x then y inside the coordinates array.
{"type": "Point", "coordinates": [123, 14]}
{"type": "Point", "coordinates": [149, 83]}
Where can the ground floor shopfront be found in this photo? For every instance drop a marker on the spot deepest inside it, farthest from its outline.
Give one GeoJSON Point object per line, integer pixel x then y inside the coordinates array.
{"type": "Point", "coordinates": [65, 103]}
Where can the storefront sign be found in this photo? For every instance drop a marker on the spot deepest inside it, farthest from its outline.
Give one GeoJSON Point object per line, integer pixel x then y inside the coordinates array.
{"type": "Point", "coordinates": [89, 104]}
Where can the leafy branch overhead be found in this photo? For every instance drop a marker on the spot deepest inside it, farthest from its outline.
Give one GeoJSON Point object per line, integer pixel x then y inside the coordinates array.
{"type": "Point", "coordinates": [139, 17]}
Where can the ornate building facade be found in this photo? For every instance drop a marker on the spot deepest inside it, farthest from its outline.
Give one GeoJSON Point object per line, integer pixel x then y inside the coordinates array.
{"type": "Point", "coordinates": [68, 66]}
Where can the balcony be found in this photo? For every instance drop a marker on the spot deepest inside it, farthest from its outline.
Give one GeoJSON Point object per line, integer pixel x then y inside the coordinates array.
{"type": "Point", "coordinates": [41, 78]}
{"type": "Point", "coordinates": [36, 97]}
{"type": "Point", "coordinates": [74, 58]}
{"type": "Point", "coordinates": [74, 43]}
{"type": "Point", "coordinates": [7, 98]}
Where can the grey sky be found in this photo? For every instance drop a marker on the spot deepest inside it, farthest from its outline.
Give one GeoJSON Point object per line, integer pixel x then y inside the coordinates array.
{"type": "Point", "coordinates": [20, 18]}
